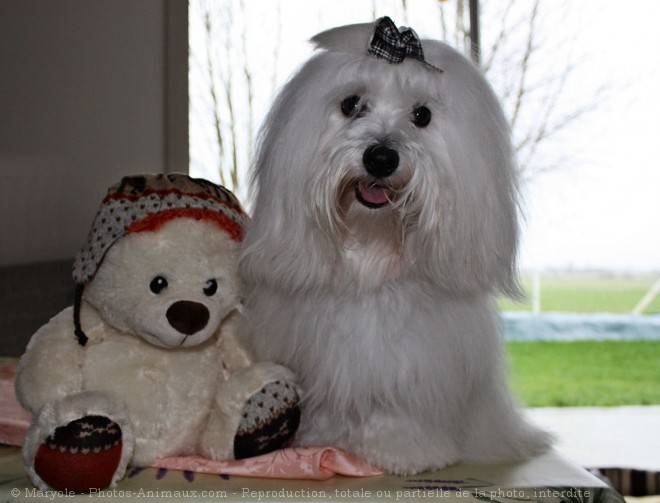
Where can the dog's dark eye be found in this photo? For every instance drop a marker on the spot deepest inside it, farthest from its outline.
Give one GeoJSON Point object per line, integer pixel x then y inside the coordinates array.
{"type": "Point", "coordinates": [210, 287]}
{"type": "Point", "coordinates": [351, 106]}
{"type": "Point", "coordinates": [158, 284]}
{"type": "Point", "coordinates": [421, 116]}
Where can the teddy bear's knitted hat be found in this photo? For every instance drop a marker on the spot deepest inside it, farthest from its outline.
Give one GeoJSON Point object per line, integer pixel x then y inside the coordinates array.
{"type": "Point", "coordinates": [144, 202]}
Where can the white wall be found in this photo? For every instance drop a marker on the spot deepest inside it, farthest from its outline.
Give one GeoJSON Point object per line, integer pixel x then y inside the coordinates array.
{"type": "Point", "coordinates": [82, 102]}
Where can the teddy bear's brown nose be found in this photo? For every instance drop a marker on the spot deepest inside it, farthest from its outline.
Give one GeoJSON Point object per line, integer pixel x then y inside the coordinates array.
{"type": "Point", "coordinates": [188, 317]}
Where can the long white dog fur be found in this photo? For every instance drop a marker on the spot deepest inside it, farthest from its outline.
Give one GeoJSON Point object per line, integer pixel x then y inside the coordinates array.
{"type": "Point", "coordinates": [385, 311]}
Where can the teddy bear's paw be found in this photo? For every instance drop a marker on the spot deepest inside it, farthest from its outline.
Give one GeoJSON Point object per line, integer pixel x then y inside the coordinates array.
{"type": "Point", "coordinates": [270, 420]}
{"type": "Point", "coordinates": [80, 456]}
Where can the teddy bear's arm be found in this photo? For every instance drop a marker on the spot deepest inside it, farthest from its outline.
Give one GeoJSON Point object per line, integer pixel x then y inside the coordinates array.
{"type": "Point", "coordinates": [50, 367]}
{"type": "Point", "coordinates": [233, 355]}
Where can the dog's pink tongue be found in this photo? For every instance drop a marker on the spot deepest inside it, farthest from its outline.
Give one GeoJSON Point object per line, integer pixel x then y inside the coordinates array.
{"type": "Point", "coordinates": [374, 194]}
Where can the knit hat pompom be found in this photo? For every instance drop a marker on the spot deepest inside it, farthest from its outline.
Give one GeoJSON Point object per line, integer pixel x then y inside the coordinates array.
{"type": "Point", "coordinates": [145, 202]}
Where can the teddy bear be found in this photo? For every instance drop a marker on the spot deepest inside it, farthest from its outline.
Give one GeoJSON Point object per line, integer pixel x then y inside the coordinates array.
{"type": "Point", "coordinates": [147, 363]}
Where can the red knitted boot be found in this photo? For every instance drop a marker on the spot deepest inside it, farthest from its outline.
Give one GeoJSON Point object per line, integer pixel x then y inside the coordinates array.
{"type": "Point", "coordinates": [81, 456]}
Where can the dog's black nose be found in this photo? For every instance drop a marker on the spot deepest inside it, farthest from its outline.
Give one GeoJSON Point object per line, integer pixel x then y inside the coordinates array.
{"type": "Point", "coordinates": [380, 161]}
{"type": "Point", "coordinates": [187, 317]}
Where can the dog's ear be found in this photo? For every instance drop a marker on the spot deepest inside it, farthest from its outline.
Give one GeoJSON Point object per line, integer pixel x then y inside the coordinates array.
{"type": "Point", "coordinates": [475, 214]}
{"type": "Point", "coordinates": [284, 164]}
{"type": "Point", "coordinates": [353, 38]}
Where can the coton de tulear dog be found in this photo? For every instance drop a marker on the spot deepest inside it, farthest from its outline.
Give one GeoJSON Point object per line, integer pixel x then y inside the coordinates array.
{"type": "Point", "coordinates": [385, 220]}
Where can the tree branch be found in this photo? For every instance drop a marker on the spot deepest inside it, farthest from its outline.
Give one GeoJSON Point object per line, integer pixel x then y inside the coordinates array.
{"type": "Point", "coordinates": [524, 65]}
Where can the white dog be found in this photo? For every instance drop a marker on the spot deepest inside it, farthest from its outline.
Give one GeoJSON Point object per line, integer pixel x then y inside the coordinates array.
{"type": "Point", "coordinates": [385, 219]}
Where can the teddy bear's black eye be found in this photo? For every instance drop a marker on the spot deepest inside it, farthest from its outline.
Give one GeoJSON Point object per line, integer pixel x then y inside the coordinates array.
{"type": "Point", "coordinates": [158, 284]}
{"type": "Point", "coordinates": [210, 287]}
{"type": "Point", "coordinates": [421, 116]}
{"type": "Point", "coordinates": [352, 107]}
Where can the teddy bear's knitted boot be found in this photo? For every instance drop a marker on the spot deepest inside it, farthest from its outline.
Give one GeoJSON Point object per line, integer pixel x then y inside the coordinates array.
{"type": "Point", "coordinates": [270, 420]}
{"type": "Point", "coordinates": [80, 456]}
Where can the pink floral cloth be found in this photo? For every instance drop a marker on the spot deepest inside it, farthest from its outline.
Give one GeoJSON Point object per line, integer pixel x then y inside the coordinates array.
{"type": "Point", "coordinates": [310, 463]}
{"type": "Point", "coordinates": [14, 420]}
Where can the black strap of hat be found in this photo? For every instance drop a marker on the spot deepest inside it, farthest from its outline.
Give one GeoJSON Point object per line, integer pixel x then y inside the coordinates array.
{"type": "Point", "coordinates": [77, 301]}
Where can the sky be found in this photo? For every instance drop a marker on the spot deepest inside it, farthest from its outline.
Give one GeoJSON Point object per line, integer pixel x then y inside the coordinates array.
{"type": "Point", "coordinates": [600, 209]}
{"type": "Point", "coordinates": [603, 210]}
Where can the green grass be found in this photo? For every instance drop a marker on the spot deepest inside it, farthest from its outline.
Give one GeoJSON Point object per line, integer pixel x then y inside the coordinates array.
{"type": "Point", "coordinates": [588, 293]}
{"type": "Point", "coordinates": [586, 373]}
{"type": "Point", "coordinates": [581, 373]}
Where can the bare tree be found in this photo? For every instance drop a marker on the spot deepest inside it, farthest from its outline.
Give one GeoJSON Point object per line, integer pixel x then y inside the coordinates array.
{"type": "Point", "coordinates": [529, 70]}
{"type": "Point", "coordinates": [228, 98]}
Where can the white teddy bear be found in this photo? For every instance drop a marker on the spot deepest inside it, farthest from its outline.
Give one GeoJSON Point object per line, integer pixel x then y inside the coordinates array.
{"type": "Point", "coordinates": [145, 364]}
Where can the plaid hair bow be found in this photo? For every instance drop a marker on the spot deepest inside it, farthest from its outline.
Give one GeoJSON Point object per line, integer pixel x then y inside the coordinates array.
{"type": "Point", "coordinates": [393, 46]}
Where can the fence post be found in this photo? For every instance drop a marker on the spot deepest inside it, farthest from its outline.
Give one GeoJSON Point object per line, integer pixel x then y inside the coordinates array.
{"type": "Point", "coordinates": [647, 299]}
